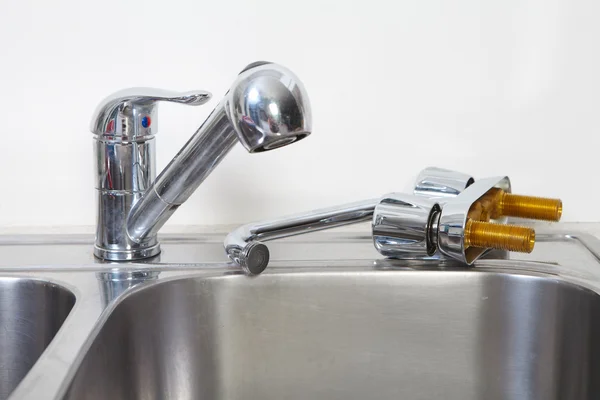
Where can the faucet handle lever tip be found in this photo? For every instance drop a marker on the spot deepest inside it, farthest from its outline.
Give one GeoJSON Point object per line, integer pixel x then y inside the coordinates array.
{"type": "Point", "coordinates": [191, 98]}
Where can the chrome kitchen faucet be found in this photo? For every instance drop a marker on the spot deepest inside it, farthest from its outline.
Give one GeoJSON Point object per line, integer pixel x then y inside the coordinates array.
{"type": "Point", "coordinates": [266, 108]}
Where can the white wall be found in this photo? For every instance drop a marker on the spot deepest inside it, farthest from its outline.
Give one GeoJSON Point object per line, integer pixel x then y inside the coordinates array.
{"type": "Point", "coordinates": [504, 87]}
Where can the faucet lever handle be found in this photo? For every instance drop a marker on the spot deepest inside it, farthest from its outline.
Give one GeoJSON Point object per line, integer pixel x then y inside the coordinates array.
{"type": "Point", "coordinates": [131, 113]}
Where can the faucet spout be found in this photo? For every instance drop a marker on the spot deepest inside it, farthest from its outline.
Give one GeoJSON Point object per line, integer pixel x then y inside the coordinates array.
{"type": "Point", "coordinates": [266, 108]}
{"type": "Point", "coordinates": [182, 176]}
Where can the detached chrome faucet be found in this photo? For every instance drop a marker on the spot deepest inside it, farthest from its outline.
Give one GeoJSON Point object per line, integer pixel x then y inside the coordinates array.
{"type": "Point", "coordinates": [266, 107]}
{"type": "Point", "coordinates": [448, 216]}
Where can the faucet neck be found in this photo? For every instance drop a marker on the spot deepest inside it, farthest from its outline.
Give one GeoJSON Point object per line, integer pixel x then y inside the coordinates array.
{"type": "Point", "coordinates": [182, 176]}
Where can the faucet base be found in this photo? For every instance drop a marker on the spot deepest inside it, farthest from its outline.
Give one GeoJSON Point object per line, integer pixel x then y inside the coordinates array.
{"type": "Point", "coordinates": [131, 254]}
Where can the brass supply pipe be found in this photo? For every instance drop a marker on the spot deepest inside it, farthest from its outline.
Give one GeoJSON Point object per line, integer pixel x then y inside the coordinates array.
{"type": "Point", "coordinates": [498, 236]}
{"type": "Point", "coordinates": [540, 208]}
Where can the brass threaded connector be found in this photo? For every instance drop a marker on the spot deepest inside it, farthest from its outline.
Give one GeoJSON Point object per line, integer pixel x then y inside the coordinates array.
{"type": "Point", "coordinates": [498, 236]}
{"type": "Point", "coordinates": [540, 208]}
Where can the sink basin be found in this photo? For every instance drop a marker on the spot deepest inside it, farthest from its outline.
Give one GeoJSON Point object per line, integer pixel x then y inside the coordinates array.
{"type": "Point", "coordinates": [31, 312]}
{"type": "Point", "coordinates": [345, 334]}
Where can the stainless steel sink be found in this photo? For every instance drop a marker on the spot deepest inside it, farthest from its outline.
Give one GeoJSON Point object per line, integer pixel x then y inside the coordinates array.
{"type": "Point", "coordinates": [31, 312]}
{"type": "Point", "coordinates": [350, 334]}
{"type": "Point", "coordinates": [329, 319]}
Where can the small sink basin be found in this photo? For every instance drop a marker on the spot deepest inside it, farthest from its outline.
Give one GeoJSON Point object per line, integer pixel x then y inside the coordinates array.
{"type": "Point", "coordinates": [31, 312]}
{"type": "Point", "coordinates": [352, 334]}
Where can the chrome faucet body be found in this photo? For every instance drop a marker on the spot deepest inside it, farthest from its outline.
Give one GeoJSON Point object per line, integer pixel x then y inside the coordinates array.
{"type": "Point", "coordinates": [267, 107]}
